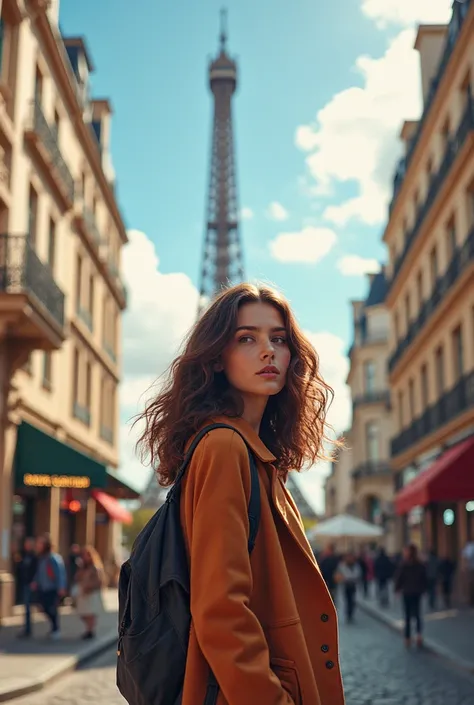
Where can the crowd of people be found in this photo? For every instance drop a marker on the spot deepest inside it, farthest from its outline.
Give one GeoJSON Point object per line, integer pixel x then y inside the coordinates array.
{"type": "Point", "coordinates": [46, 580]}
{"type": "Point", "coordinates": [409, 575]}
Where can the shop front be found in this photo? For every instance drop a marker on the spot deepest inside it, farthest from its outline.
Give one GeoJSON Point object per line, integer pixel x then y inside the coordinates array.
{"type": "Point", "coordinates": [63, 492]}
{"type": "Point", "coordinates": [439, 501]}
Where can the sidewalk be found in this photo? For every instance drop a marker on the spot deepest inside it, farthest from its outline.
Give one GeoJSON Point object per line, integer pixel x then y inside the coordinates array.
{"type": "Point", "coordinates": [447, 633]}
{"type": "Point", "coordinates": [28, 665]}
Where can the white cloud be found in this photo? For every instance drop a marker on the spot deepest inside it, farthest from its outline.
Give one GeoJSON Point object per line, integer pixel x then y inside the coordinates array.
{"type": "Point", "coordinates": [308, 245]}
{"type": "Point", "coordinates": [162, 308]}
{"type": "Point", "coordinates": [276, 211]}
{"type": "Point", "coordinates": [355, 136]}
{"type": "Point", "coordinates": [406, 13]}
{"type": "Point", "coordinates": [354, 266]}
{"type": "Point", "coordinates": [246, 213]}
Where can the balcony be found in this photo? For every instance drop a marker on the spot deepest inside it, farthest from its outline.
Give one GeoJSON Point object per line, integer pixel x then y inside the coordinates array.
{"type": "Point", "coordinates": [31, 303]}
{"type": "Point", "coordinates": [43, 140]}
{"type": "Point", "coordinates": [373, 338]}
{"type": "Point", "coordinates": [461, 260]}
{"type": "Point", "coordinates": [372, 468]}
{"type": "Point", "coordinates": [453, 403]}
{"type": "Point", "coordinates": [117, 283]}
{"type": "Point", "coordinates": [381, 396]}
{"type": "Point", "coordinates": [453, 148]}
{"type": "Point", "coordinates": [460, 10]}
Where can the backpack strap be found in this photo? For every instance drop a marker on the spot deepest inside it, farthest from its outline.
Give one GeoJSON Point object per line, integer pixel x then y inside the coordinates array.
{"type": "Point", "coordinates": [254, 506]}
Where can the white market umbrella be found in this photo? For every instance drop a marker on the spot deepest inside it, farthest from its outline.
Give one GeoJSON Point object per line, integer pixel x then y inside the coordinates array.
{"type": "Point", "coordinates": [345, 526]}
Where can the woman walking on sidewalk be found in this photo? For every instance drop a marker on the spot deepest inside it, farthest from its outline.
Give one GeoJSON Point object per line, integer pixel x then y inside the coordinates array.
{"type": "Point", "coordinates": [89, 584]}
{"type": "Point", "coordinates": [262, 622]}
{"type": "Point", "coordinates": [350, 574]}
{"type": "Point", "coordinates": [49, 582]}
{"type": "Point", "coordinates": [412, 581]}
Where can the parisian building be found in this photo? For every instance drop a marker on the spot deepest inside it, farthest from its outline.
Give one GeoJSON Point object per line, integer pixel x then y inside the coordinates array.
{"type": "Point", "coordinates": [372, 487]}
{"type": "Point", "coordinates": [430, 297]}
{"type": "Point", "coordinates": [61, 295]}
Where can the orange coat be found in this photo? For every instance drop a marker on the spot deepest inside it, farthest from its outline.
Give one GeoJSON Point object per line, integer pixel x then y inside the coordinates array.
{"type": "Point", "coordinates": [265, 624]}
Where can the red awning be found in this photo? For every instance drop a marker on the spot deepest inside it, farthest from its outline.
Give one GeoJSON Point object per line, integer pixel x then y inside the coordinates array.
{"type": "Point", "coordinates": [449, 479]}
{"type": "Point", "coordinates": [113, 508]}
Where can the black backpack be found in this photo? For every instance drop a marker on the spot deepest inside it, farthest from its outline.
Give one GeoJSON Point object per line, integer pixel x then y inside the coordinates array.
{"type": "Point", "coordinates": [154, 601]}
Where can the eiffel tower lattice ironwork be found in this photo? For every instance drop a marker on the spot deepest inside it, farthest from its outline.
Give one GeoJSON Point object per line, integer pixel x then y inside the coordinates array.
{"type": "Point", "coordinates": [222, 260]}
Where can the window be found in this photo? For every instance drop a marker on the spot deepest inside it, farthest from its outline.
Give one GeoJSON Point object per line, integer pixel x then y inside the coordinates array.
{"type": "Point", "coordinates": [407, 311]}
{"type": "Point", "coordinates": [451, 244]}
{"type": "Point", "coordinates": [372, 440]}
{"type": "Point", "coordinates": [52, 244]}
{"type": "Point", "coordinates": [78, 282]}
{"type": "Point", "coordinates": [424, 387]}
{"type": "Point", "coordinates": [401, 415]}
{"type": "Point", "coordinates": [419, 288]}
{"type": "Point", "coordinates": [47, 370]}
{"type": "Point", "coordinates": [38, 87]}
{"type": "Point", "coordinates": [91, 297]}
{"type": "Point", "coordinates": [439, 362]}
{"type": "Point", "coordinates": [434, 267]}
{"type": "Point", "coordinates": [458, 357]}
{"type": "Point", "coordinates": [88, 386]}
{"type": "Point", "coordinates": [32, 217]}
{"type": "Point", "coordinates": [369, 376]}
{"type": "Point", "coordinates": [411, 399]}
{"type": "Point", "coordinates": [75, 378]}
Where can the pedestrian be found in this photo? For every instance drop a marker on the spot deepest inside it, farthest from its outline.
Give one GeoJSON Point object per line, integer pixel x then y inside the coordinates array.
{"type": "Point", "coordinates": [26, 574]}
{"type": "Point", "coordinates": [468, 564]}
{"type": "Point", "coordinates": [328, 564]}
{"type": "Point", "coordinates": [90, 579]}
{"type": "Point", "coordinates": [73, 564]}
{"type": "Point", "coordinates": [432, 573]}
{"type": "Point", "coordinates": [49, 582]}
{"type": "Point", "coordinates": [447, 570]}
{"type": "Point", "coordinates": [349, 574]}
{"type": "Point", "coordinates": [264, 624]}
{"type": "Point", "coordinates": [364, 572]}
{"type": "Point", "coordinates": [383, 572]}
{"type": "Point", "coordinates": [412, 581]}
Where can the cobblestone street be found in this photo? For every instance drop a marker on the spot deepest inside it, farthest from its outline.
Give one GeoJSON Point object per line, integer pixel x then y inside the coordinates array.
{"type": "Point", "coordinates": [377, 671]}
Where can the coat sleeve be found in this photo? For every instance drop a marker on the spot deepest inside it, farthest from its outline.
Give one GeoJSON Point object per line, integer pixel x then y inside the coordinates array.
{"type": "Point", "coordinates": [228, 632]}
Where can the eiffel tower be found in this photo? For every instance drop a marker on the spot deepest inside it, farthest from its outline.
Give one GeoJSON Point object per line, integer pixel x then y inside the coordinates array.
{"type": "Point", "coordinates": [222, 261]}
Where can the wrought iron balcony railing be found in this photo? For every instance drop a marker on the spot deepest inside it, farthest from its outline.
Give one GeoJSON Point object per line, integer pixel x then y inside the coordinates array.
{"type": "Point", "coordinates": [372, 468]}
{"type": "Point", "coordinates": [376, 396]}
{"type": "Point", "coordinates": [454, 146]}
{"type": "Point", "coordinates": [462, 258]}
{"type": "Point", "coordinates": [49, 138]}
{"type": "Point", "coordinates": [460, 10]}
{"type": "Point", "coordinates": [452, 403]}
{"type": "Point", "coordinates": [21, 271]}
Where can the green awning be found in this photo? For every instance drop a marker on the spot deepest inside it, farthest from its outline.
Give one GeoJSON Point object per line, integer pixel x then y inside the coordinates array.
{"type": "Point", "coordinates": [118, 487]}
{"type": "Point", "coordinates": [43, 461]}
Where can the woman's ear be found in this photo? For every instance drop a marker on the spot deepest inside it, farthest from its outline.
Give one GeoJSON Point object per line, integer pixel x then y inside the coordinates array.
{"type": "Point", "coordinates": [218, 366]}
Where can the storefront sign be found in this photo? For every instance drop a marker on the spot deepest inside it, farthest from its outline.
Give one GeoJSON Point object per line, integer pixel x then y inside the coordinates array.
{"type": "Point", "coordinates": [63, 481]}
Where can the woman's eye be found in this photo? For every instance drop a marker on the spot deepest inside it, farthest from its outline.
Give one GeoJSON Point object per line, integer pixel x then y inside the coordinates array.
{"type": "Point", "coordinates": [279, 339]}
{"type": "Point", "coordinates": [245, 338]}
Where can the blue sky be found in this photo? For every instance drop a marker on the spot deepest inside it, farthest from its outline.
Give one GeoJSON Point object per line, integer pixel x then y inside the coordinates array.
{"type": "Point", "coordinates": [324, 88]}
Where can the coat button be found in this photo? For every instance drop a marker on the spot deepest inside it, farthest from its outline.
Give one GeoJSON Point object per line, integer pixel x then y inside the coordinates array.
{"type": "Point", "coordinates": [329, 664]}
{"type": "Point", "coordinates": [324, 618]}
{"type": "Point", "coordinates": [324, 648]}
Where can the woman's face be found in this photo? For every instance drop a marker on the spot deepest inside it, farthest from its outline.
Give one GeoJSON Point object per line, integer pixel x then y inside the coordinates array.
{"type": "Point", "coordinates": [256, 360]}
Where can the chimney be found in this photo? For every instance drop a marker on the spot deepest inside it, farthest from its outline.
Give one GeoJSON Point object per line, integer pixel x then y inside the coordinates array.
{"type": "Point", "coordinates": [429, 43]}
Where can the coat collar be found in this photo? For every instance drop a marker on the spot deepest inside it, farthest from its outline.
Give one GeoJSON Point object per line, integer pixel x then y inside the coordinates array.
{"type": "Point", "coordinates": [251, 437]}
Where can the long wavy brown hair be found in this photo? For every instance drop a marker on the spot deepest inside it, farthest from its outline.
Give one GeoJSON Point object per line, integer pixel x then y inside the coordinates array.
{"type": "Point", "coordinates": [294, 424]}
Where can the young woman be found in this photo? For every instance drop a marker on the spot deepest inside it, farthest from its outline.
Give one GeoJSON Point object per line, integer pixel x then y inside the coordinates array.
{"type": "Point", "coordinates": [89, 583]}
{"type": "Point", "coordinates": [265, 624]}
